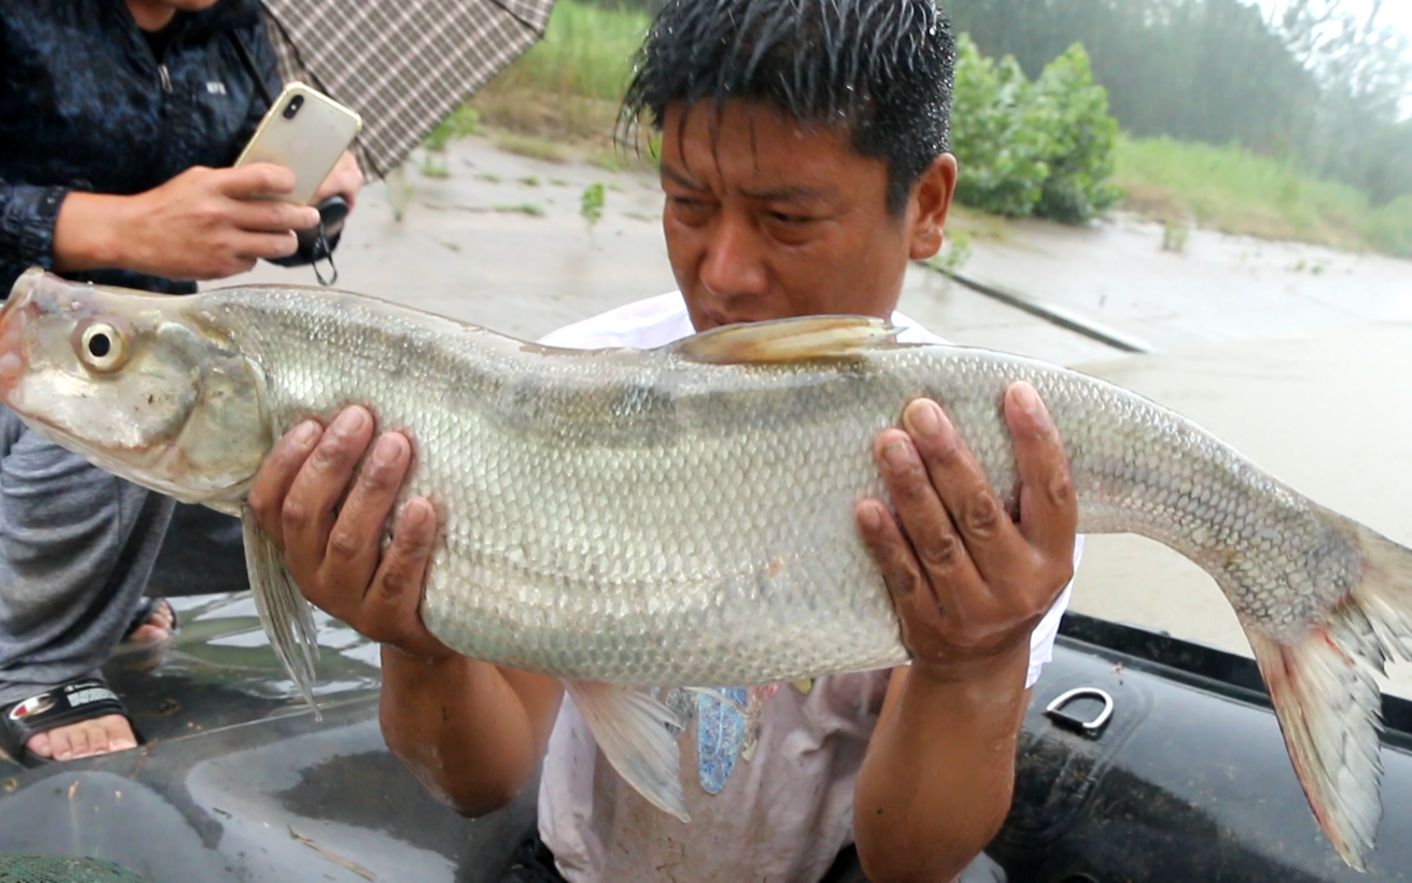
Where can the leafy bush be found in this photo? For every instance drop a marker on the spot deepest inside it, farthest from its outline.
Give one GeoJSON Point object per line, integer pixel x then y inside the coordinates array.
{"type": "Point", "coordinates": [1000, 151]}
{"type": "Point", "coordinates": [1044, 148]}
{"type": "Point", "coordinates": [1083, 139]}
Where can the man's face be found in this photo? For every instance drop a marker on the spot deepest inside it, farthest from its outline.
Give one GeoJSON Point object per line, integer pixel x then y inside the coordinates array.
{"type": "Point", "coordinates": [766, 218]}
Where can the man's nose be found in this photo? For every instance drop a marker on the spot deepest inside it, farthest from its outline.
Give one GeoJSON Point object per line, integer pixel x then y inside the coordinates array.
{"type": "Point", "coordinates": [734, 261]}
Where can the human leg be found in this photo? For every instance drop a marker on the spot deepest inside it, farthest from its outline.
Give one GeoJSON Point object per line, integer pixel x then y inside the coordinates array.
{"type": "Point", "coordinates": [76, 549]}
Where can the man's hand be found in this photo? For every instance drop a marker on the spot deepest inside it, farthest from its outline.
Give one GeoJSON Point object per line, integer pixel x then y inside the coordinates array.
{"type": "Point", "coordinates": [474, 734]}
{"type": "Point", "coordinates": [345, 180]}
{"type": "Point", "coordinates": [332, 549]}
{"type": "Point", "coordinates": [203, 224]}
{"type": "Point", "coordinates": [968, 582]}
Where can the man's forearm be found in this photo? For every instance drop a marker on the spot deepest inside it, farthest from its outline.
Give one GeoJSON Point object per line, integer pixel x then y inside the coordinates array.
{"type": "Point", "coordinates": [471, 732]}
{"type": "Point", "coordinates": [85, 232]}
{"type": "Point", "coordinates": [938, 778]}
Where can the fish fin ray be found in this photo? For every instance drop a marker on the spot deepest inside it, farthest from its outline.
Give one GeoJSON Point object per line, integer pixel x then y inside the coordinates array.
{"type": "Point", "coordinates": [1327, 700]}
{"type": "Point", "coordinates": [1327, 705]}
{"type": "Point", "coordinates": [630, 727]}
{"type": "Point", "coordinates": [717, 694]}
{"type": "Point", "coordinates": [788, 340]}
{"type": "Point", "coordinates": [287, 618]}
{"type": "Point", "coordinates": [1385, 594]}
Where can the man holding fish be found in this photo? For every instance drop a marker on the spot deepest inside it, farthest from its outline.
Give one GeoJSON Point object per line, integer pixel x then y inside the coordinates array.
{"type": "Point", "coordinates": [804, 165]}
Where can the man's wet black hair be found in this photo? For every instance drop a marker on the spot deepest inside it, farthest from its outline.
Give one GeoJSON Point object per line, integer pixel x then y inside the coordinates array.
{"type": "Point", "coordinates": [884, 69]}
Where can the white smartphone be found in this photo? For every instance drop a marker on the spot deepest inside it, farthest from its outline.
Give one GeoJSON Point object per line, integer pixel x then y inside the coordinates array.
{"type": "Point", "coordinates": [306, 131]}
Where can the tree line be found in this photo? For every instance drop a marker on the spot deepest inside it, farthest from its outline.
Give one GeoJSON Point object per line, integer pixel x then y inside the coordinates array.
{"type": "Point", "coordinates": [1314, 82]}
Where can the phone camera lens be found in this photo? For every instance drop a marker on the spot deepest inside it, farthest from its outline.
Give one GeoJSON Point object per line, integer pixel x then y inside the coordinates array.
{"type": "Point", "coordinates": [293, 106]}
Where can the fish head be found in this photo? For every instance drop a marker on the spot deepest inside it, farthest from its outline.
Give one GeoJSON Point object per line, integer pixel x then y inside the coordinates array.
{"type": "Point", "coordinates": [143, 385]}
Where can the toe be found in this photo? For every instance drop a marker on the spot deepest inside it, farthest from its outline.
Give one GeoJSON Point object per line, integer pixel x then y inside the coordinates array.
{"type": "Point", "coordinates": [40, 744]}
{"type": "Point", "coordinates": [61, 742]}
{"type": "Point", "coordinates": [78, 741]}
{"type": "Point", "coordinates": [118, 731]}
{"type": "Point", "coordinates": [102, 735]}
{"type": "Point", "coordinates": [163, 617]}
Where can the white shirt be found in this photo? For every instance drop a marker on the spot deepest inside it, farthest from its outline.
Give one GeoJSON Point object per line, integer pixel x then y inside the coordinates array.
{"type": "Point", "coordinates": [776, 805]}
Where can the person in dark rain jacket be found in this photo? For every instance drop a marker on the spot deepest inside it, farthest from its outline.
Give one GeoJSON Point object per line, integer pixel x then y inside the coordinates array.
{"type": "Point", "coordinates": [119, 121]}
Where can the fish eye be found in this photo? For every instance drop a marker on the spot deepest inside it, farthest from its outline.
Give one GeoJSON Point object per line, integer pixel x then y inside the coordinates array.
{"type": "Point", "coordinates": [102, 347]}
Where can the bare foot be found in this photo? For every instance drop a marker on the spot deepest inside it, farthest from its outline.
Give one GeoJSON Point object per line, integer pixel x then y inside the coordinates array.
{"type": "Point", "coordinates": [101, 735]}
{"type": "Point", "coordinates": [157, 627]}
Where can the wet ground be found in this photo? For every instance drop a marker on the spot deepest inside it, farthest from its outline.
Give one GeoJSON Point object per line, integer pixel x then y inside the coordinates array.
{"type": "Point", "coordinates": [1298, 355]}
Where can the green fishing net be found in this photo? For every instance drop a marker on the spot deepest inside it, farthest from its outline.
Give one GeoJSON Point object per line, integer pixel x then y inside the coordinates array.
{"type": "Point", "coordinates": [62, 869]}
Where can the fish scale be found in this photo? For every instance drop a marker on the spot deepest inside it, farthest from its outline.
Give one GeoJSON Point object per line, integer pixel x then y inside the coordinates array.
{"type": "Point", "coordinates": [683, 517]}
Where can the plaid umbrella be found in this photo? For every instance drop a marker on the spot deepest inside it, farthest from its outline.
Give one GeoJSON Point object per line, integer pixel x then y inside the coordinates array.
{"type": "Point", "coordinates": [404, 65]}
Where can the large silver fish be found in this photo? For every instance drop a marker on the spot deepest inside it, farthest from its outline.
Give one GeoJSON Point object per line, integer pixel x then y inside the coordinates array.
{"type": "Point", "coordinates": [684, 516]}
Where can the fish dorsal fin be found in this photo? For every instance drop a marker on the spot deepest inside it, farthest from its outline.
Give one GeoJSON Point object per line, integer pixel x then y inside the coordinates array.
{"type": "Point", "coordinates": [788, 340]}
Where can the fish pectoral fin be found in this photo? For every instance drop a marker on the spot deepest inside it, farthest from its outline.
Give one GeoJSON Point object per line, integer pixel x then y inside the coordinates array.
{"type": "Point", "coordinates": [631, 728]}
{"type": "Point", "coordinates": [287, 618]}
{"type": "Point", "coordinates": [788, 340]}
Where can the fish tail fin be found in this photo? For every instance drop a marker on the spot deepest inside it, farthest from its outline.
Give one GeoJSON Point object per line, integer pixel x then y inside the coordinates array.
{"type": "Point", "coordinates": [287, 618]}
{"type": "Point", "coordinates": [1327, 699]}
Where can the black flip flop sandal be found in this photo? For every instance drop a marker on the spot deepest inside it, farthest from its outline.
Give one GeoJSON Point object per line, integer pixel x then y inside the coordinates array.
{"type": "Point", "coordinates": [71, 702]}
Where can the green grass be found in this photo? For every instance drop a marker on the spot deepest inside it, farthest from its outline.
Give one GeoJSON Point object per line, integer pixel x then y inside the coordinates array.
{"type": "Point", "coordinates": [462, 122]}
{"type": "Point", "coordinates": [532, 209]}
{"type": "Point", "coordinates": [587, 52]}
{"type": "Point", "coordinates": [1390, 227]}
{"type": "Point", "coordinates": [532, 146]}
{"type": "Point", "coordinates": [1236, 191]}
{"type": "Point", "coordinates": [571, 82]}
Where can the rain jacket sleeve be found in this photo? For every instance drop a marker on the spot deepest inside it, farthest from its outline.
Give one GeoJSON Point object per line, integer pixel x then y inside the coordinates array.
{"type": "Point", "coordinates": [27, 216]}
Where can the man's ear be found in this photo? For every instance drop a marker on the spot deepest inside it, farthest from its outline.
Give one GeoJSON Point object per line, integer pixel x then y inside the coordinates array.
{"type": "Point", "coordinates": [931, 198]}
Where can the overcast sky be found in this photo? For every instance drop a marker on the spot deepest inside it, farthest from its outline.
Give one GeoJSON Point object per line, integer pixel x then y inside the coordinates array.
{"type": "Point", "coordinates": [1399, 15]}
{"type": "Point", "coordinates": [1394, 13]}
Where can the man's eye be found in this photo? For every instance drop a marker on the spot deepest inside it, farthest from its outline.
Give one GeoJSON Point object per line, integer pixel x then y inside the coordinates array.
{"type": "Point", "coordinates": [789, 219]}
{"type": "Point", "coordinates": [690, 210]}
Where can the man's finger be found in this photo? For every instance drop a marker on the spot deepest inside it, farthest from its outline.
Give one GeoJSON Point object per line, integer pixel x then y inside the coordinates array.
{"type": "Point", "coordinates": [1049, 511]}
{"type": "Point", "coordinates": [277, 474]}
{"type": "Point", "coordinates": [926, 524]}
{"type": "Point", "coordinates": [918, 609]}
{"type": "Point", "coordinates": [326, 474]}
{"type": "Point", "coordinates": [346, 179]}
{"type": "Point", "coordinates": [267, 245]}
{"type": "Point", "coordinates": [256, 179]}
{"type": "Point", "coordinates": [272, 216]}
{"type": "Point", "coordinates": [397, 589]}
{"type": "Point", "coordinates": [992, 541]}
{"type": "Point", "coordinates": [355, 541]}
